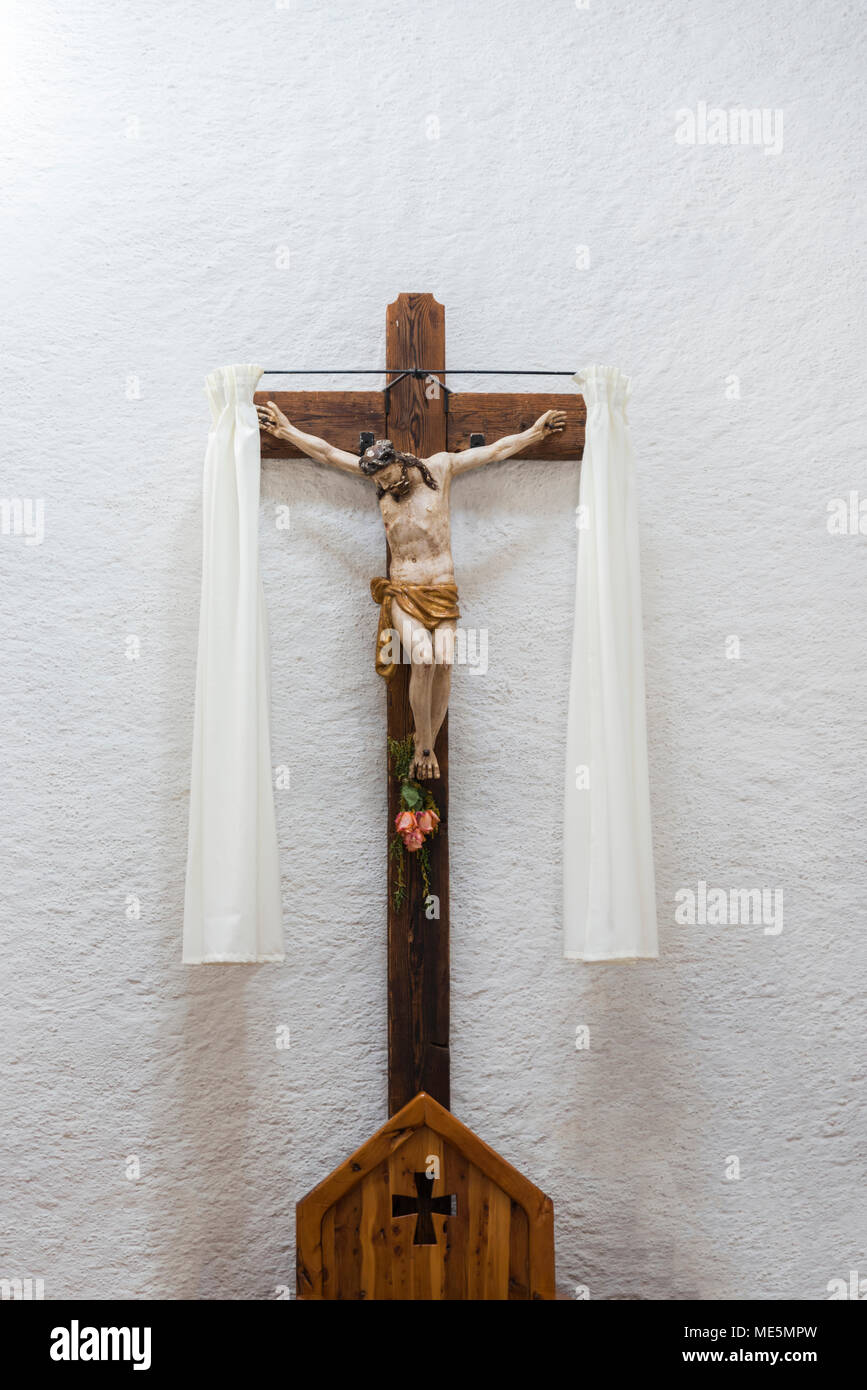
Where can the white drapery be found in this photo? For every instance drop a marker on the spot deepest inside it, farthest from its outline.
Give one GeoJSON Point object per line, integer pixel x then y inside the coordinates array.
{"type": "Point", "coordinates": [608, 880]}
{"type": "Point", "coordinates": [232, 909]}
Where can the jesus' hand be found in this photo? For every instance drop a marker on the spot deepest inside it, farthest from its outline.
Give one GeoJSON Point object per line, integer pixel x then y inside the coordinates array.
{"type": "Point", "coordinates": [552, 422]}
{"type": "Point", "coordinates": [272, 420]}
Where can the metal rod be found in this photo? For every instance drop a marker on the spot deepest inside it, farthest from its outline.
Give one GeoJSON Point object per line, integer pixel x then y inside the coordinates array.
{"type": "Point", "coordinates": [429, 371]}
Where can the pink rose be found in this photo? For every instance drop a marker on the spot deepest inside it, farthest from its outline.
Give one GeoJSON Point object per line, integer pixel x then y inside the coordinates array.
{"type": "Point", "coordinates": [413, 839]}
{"type": "Point", "coordinates": [427, 821]}
{"type": "Point", "coordinates": [404, 822]}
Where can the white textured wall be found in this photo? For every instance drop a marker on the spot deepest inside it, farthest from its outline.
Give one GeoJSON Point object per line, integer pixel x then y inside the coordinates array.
{"type": "Point", "coordinates": [160, 155]}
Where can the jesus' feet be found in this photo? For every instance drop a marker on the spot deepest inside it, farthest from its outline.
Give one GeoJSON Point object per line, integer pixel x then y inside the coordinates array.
{"type": "Point", "coordinates": [424, 764]}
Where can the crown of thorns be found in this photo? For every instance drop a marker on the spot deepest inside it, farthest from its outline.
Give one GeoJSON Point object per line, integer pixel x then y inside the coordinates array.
{"type": "Point", "coordinates": [383, 452]}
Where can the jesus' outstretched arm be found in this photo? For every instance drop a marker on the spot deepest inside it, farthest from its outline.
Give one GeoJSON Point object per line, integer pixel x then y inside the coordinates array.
{"type": "Point", "coordinates": [552, 422]}
{"type": "Point", "coordinates": [273, 421]}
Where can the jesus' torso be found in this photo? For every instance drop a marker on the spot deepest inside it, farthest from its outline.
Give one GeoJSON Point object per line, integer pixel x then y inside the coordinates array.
{"type": "Point", "coordinates": [417, 528]}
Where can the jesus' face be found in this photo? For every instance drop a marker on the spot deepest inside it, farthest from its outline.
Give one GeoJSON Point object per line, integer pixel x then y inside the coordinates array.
{"type": "Point", "coordinates": [390, 476]}
{"type": "Point", "coordinates": [380, 461]}
{"type": "Point", "coordinates": [391, 469]}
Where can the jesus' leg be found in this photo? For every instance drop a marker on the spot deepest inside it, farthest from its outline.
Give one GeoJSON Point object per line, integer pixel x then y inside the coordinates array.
{"type": "Point", "coordinates": [416, 641]}
{"type": "Point", "coordinates": [444, 657]}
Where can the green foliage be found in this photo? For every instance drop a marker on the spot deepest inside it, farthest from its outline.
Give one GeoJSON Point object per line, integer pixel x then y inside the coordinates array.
{"type": "Point", "coordinates": [397, 855]}
{"type": "Point", "coordinates": [413, 797]}
{"type": "Point", "coordinates": [401, 752]}
{"type": "Point", "coordinates": [424, 863]}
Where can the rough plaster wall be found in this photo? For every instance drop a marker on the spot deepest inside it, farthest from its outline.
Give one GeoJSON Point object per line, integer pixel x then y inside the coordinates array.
{"type": "Point", "coordinates": [161, 156]}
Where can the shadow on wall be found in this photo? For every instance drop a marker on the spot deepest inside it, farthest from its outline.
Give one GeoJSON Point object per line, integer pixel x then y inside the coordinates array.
{"type": "Point", "coordinates": [209, 1222]}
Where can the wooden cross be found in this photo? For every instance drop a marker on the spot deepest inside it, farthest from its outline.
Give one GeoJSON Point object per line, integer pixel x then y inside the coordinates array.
{"type": "Point", "coordinates": [422, 1206]}
{"type": "Point", "coordinates": [421, 418]}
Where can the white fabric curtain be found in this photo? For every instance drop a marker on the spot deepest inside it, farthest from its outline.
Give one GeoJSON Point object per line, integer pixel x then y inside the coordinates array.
{"type": "Point", "coordinates": [233, 909]}
{"type": "Point", "coordinates": [608, 878]}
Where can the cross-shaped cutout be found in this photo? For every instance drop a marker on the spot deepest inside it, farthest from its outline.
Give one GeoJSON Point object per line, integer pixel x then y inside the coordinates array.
{"type": "Point", "coordinates": [422, 1207]}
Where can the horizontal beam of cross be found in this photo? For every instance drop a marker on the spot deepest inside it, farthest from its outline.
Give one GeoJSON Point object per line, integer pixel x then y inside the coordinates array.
{"type": "Point", "coordinates": [341, 416]}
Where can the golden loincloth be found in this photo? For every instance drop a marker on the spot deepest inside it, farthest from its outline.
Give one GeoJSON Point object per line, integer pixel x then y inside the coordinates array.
{"type": "Point", "coordinates": [428, 604]}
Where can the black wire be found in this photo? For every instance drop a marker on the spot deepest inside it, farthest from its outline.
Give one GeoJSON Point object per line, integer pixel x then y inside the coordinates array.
{"type": "Point", "coordinates": [428, 371]}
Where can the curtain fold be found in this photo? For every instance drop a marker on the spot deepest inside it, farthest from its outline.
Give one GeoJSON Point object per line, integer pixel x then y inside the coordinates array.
{"type": "Point", "coordinates": [609, 898]}
{"type": "Point", "coordinates": [232, 908]}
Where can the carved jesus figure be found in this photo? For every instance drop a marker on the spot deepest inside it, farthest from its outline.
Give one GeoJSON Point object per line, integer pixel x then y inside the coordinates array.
{"type": "Point", "coordinates": [419, 599]}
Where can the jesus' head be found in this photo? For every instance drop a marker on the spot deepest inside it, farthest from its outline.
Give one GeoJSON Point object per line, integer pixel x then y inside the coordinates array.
{"type": "Point", "coordinates": [392, 469]}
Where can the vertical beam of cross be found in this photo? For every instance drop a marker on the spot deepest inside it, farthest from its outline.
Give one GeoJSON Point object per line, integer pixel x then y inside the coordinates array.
{"type": "Point", "coordinates": [418, 944]}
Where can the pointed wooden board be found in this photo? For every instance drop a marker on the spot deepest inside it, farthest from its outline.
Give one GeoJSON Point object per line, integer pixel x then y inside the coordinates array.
{"type": "Point", "coordinates": [498, 1243]}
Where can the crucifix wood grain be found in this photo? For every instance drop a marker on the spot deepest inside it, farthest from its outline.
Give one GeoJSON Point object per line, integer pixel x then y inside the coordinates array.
{"type": "Point", "coordinates": [422, 420]}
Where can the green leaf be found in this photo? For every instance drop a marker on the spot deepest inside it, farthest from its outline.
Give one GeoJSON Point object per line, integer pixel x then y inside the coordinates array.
{"type": "Point", "coordinates": [401, 753]}
{"type": "Point", "coordinates": [410, 796]}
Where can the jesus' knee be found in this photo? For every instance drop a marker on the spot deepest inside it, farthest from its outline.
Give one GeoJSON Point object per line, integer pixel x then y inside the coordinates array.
{"type": "Point", "coordinates": [444, 646]}
{"type": "Point", "coordinates": [422, 648]}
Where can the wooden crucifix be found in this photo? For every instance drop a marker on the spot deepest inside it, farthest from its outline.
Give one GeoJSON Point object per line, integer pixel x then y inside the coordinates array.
{"type": "Point", "coordinates": [482, 1229]}
{"type": "Point", "coordinates": [411, 440]}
